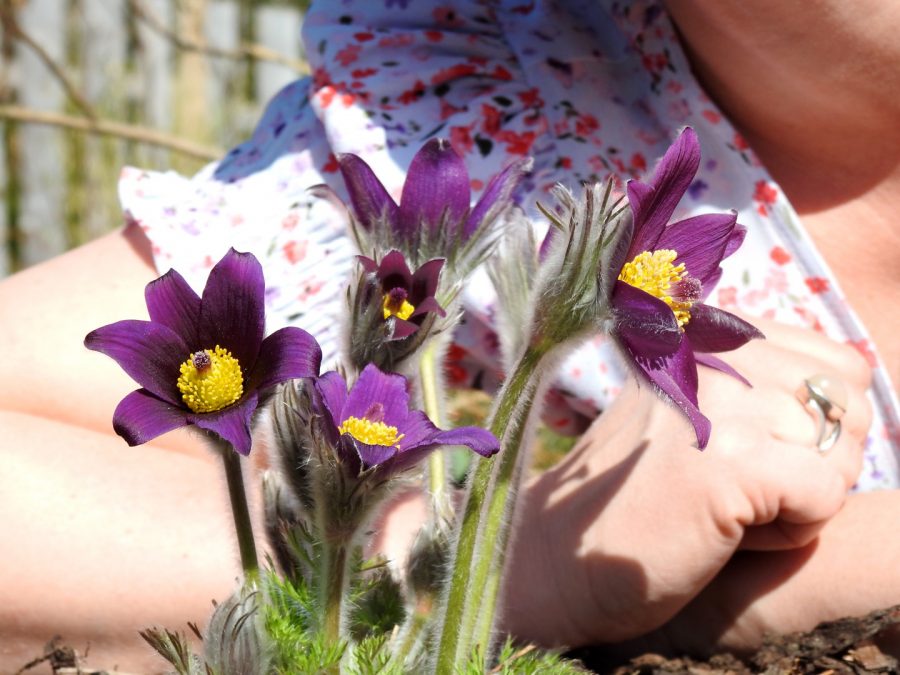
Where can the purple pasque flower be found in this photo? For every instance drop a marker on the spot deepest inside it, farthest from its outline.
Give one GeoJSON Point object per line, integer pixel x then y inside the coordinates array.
{"type": "Point", "coordinates": [406, 298]}
{"type": "Point", "coordinates": [666, 272]}
{"type": "Point", "coordinates": [434, 217]}
{"type": "Point", "coordinates": [372, 425]}
{"type": "Point", "coordinates": [203, 360]}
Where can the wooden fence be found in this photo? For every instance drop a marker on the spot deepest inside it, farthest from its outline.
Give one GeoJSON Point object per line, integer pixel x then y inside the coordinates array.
{"type": "Point", "coordinates": [196, 70]}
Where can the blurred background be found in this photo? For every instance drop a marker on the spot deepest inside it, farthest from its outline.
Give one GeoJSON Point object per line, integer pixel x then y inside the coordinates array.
{"type": "Point", "coordinates": [89, 86]}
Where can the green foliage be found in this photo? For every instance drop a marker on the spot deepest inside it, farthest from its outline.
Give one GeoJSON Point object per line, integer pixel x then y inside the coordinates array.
{"type": "Point", "coordinates": [513, 660]}
{"type": "Point", "coordinates": [290, 615]}
{"type": "Point", "coordinates": [372, 656]}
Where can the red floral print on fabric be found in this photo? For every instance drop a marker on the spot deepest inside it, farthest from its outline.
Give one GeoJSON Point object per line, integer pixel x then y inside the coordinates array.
{"type": "Point", "coordinates": [817, 284]}
{"type": "Point", "coordinates": [779, 255]}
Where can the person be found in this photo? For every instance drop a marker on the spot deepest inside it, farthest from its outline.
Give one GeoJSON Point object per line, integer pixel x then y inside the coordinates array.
{"type": "Point", "coordinates": [642, 539]}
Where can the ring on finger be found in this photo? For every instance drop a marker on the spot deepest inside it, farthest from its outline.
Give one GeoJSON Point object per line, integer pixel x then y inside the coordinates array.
{"type": "Point", "coordinates": [826, 397]}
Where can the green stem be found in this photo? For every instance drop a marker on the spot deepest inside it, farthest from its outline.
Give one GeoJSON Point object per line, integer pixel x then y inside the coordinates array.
{"type": "Point", "coordinates": [239, 509]}
{"type": "Point", "coordinates": [334, 565]}
{"type": "Point", "coordinates": [437, 462]}
{"type": "Point", "coordinates": [476, 550]}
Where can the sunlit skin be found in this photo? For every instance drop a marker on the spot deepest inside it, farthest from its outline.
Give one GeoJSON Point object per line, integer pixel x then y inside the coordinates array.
{"type": "Point", "coordinates": [53, 432]}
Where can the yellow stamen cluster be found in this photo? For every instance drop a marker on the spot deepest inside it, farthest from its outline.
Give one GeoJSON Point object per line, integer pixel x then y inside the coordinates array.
{"type": "Point", "coordinates": [210, 383]}
{"type": "Point", "coordinates": [402, 310]}
{"type": "Point", "coordinates": [371, 433]}
{"type": "Point", "coordinates": [654, 273]}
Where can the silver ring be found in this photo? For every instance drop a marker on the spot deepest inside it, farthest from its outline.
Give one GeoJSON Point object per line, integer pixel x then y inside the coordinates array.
{"type": "Point", "coordinates": [826, 397]}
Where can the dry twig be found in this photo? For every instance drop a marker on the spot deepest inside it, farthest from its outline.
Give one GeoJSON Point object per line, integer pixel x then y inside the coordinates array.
{"type": "Point", "coordinates": [244, 51]}
{"type": "Point", "coordinates": [129, 132]}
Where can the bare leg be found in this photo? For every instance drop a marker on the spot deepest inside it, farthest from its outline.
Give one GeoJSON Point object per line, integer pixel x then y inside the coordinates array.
{"type": "Point", "coordinates": [99, 540]}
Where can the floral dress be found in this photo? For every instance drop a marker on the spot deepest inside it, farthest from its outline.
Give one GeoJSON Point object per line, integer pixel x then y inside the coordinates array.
{"type": "Point", "coordinates": [588, 88]}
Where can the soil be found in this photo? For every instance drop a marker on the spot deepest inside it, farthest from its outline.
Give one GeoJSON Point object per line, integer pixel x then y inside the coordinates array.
{"type": "Point", "coordinates": [844, 647]}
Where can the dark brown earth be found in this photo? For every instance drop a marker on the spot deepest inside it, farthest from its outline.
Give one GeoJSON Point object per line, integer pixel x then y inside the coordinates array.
{"type": "Point", "coordinates": [851, 646]}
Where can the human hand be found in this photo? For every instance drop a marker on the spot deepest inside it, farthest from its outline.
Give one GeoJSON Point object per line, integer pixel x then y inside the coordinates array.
{"type": "Point", "coordinates": [636, 521]}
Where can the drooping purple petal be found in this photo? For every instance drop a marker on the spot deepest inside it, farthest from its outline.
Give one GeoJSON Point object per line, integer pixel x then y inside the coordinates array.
{"type": "Point", "coordinates": [735, 240]}
{"type": "Point", "coordinates": [714, 330]}
{"type": "Point", "coordinates": [402, 329]}
{"type": "Point", "coordinates": [141, 417]}
{"type": "Point", "coordinates": [425, 280]}
{"type": "Point", "coordinates": [437, 182]}
{"type": "Point", "coordinates": [480, 440]}
{"type": "Point", "coordinates": [368, 196]}
{"type": "Point", "coordinates": [700, 242]}
{"type": "Point", "coordinates": [418, 429]}
{"type": "Point", "coordinates": [373, 386]}
{"type": "Point", "coordinates": [676, 377]}
{"type": "Point", "coordinates": [150, 353]}
{"type": "Point", "coordinates": [654, 202]}
{"type": "Point", "coordinates": [498, 191]}
{"type": "Point", "coordinates": [370, 455]}
{"type": "Point", "coordinates": [332, 389]}
{"type": "Point", "coordinates": [393, 271]}
{"type": "Point", "coordinates": [645, 322]}
{"type": "Point", "coordinates": [232, 311]}
{"type": "Point", "coordinates": [287, 354]}
{"type": "Point", "coordinates": [173, 303]}
{"type": "Point", "coordinates": [428, 305]}
{"type": "Point", "coordinates": [716, 363]}
{"type": "Point", "coordinates": [369, 265]}
{"type": "Point", "coordinates": [232, 424]}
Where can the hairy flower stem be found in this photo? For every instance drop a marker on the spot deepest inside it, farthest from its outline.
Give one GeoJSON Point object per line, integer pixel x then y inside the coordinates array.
{"type": "Point", "coordinates": [442, 509]}
{"type": "Point", "coordinates": [484, 530]}
{"type": "Point", "coordinates": [333, 571]}
{"type": "Point", "coordinates": [239, 509]}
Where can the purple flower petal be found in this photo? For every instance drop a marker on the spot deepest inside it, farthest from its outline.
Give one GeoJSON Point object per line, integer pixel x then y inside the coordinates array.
{"type": "Point", "coordinates": [437, 183]}
{"type": "Point", "coordinates": [141, 417]}
{"type": "Point", "coordinates": [287, 354]}
{"type": "Point", "coordinates": [370, 455]}
{"type": "Point", "coordinates": [332, 389]}
{"type": "Point", "coordinates": [498, 191]}
{"type": "Point", "coordinates": [393, 271]}
{"type": "Point", "coordinates": [373, 386]}
{"type": "Point", "coordinates": [150, 353]}
{"type": "Point", "coordinates": [417, 430]}
{"type": "Point", "coordinates": [714, 330]}
{"type": "Point", "coordinates": [428, 305]}
{"type": "Point", "coordinates": [173, 303]}
{"type": "Point", "coordinates": [735, 240]}
{"type": "Point", "coordinates": [425, 280]}
{"type": "Point", "coordinates": [232, 311]}
{"type": "Point", "coordinates": [716, 363]}
{"type": "Point", "coordinates": [645, 322]}
{"type": "Point", "coordinates": [654, 203]}
{"type": "Point", "coordinates": [480, 440]}
{"type": "Point", "coordinates": [400, 328]}
{"type": "Point", "coordinates": [700, 242]}
{"type": "Point", "coordinates": [369, 265]}
{"type": "Point", "coordinates": [676, 377]}
{"type": "Point", "coordinates": [232, 424]}
{"type": "Point", "coordinates": [367, 194]}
